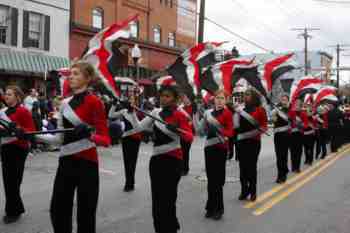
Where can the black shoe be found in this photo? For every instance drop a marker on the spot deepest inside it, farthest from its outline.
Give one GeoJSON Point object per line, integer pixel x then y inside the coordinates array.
{"type": "Point", "coordinates": [209, 214]}
{"type": "Point", "coordinates": [129, 188]}
{"type": "Point", "coordinates": [184, 173]}
{"type": "Point", "coordinates": [279, 180]}
{"type": "Point", "coordinates": [10, 219]}
{"type": "Point", "coordinates": [217, 215]}
{"type": "Point", "coordinates": [284, 179]}
{"type": "Point", "coordinates": [253, 197]}
{"type": "Point", "coordinates": [243, 196]}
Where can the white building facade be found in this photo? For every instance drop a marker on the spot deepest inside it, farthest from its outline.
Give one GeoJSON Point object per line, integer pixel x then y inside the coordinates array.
{"type": "Point", "coordinates": [39, 26]}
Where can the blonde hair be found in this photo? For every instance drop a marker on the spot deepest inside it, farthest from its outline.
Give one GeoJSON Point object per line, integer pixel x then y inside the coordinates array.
{"type": "Point", "coordinates": [17, 91]}
{"type": "Point", "coordinates": [86, 68]}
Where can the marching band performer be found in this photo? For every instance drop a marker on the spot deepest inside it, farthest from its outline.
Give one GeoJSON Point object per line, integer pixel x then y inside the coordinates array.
{"type": "Point", "coordinates": [78, 161]}
{"type": "Point", "coordinates": [218, 126]}
{"type": "Point", "coordinates": [281, 137]}
{"type": "Point", "coordinates": [187, 109]}
{"type": "Point", "coordinates": [14, 151]}
{"type": "Point", "coordinates": [335, 125]}
{"type": "Point", "coordinates": [249, 124]}
{"type": "Point", "coordinates": [309, 135]}
{"type": "Point", "coordinates": [131, 139]}
{"type": "Point", "coordinates": [322, 135]}
{"type": "Point", "coordinates": [166, 163]}
{"type": "Point", "coordinates": [298, 124]}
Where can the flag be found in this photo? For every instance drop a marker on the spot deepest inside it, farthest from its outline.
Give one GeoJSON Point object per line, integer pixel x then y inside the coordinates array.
{"type": "Point", "coordinates": [165, 81]}
{"type": "Point", "coordinates": [206, 96]}
{"type": "Point", "coordinates": [278, 72]}
{"type": "Point", "coordinates": [221, 74]}
{"type": "Point", "coordinates": [99, 51]}
{"type": "Point", "coordinates": [308, 99]}
{"type": "Point", "coordinates": [125, 80]}
{"type": "Point", "coordinates": [307, 84]}
{"type": "Point", "coordinates": [251, 75]}
{"type": "Point", "coordinates": [324, 93]}
{"type": "Point", "coordinates": [64, 73]}
{"type": "Point", "coordinates": [272, 66]}
{"type": "Point", "coordinates": [186, 70]}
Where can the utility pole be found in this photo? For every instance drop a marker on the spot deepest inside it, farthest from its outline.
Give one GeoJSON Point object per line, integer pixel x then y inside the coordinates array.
{"type": "Point", "coordinates": [201, 22]}
{"type": "Point", "coordinates": [339, 49]}
{"type": "Point", "coordinates": [306, 36]}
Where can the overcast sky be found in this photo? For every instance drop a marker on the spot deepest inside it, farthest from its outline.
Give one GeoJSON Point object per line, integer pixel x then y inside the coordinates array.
{"type": "Point", "coordinates": [269, 23]}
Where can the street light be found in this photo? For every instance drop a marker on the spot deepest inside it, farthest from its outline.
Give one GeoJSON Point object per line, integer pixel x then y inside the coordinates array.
{"type": "Point", "coordinates": [136, 55]}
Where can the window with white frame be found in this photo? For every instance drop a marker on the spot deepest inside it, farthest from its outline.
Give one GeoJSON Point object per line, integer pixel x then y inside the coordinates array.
{"type": "Point", "coordinates": [171, 39]}
{"type": "Point", "coordinates": [157, 34]}
{"type": "Point", "coordinates": [4, 24]}
{"type": "Point", "coordinates": [97, 18]}
{"type": "Point", "coordinates": [134, 29]}
{"type": "Point", "coordinates": [35, 30]}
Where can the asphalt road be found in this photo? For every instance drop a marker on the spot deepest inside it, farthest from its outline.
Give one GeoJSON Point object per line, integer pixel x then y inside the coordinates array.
{"type": "Point", "coordinates": [317, 200]}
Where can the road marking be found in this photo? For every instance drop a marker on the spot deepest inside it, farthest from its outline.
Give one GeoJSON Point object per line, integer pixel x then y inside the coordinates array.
{"type": "Point", "coordinates": [108, 172]}
{"type": "Point", "coordinates": [296, 186]}
{"type": "Point", "coordinates": [290, 181]}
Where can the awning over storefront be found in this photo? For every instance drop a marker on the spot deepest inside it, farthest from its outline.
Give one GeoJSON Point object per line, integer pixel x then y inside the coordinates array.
{"type": "Point", "coordinates": [29, 63]}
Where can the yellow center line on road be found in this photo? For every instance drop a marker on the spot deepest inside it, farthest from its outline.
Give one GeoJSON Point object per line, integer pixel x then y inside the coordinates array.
{"type": "Point", "coordinates": [268, 205]}
{"type": "Point", "coordinates": [290, 181]}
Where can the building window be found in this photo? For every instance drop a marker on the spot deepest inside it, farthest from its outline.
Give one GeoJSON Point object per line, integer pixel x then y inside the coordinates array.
{"type": "Point", "coordinates": [4, 24]}
{"type": "Point", "coordinates": [134, 29]}
{"type": "Point", "coordinates": [157, 34]}
{"type": "Point", "coordinates": [171, 39]}
{"type": "Point", "coordinates": [35, 30]}
{"type": "Point", "coordinates": [97, 18]}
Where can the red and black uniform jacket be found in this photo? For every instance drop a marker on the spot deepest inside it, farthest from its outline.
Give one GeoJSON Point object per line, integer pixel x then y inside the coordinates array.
{"type": "Point", "coordinates": [245, 129]}
{"type": "Point", "coordinates": [188, 111]}
{"type": "Point", "coordinates": [311, 124]}
{"type": "Point", "coordinates": [88, 109]}
{"type": "Point", "coordinates": [281, 125]}
{"type": "Point", "coordinates": [166, 142]}
{"type": "Point", "coordinates": [130, 119]}
{"type": "Point", "coordinates": [299, 121]}
{"type": "Point", "coordinates": [221, 120]}
{"type": "Point", "coordinates": [23, 119]}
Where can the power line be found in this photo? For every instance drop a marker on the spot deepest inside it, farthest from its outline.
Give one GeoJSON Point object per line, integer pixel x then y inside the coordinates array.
{"type": "Point", "coordinates": [226, 29]}
{"type": "Point", "coordinates": [339, 48]}
{"type": "Point", "coordinates": [239, 36]}
{"type": "Point", "coordinates": [259, 21]}
{"type": "Point", "coordinates": [331, 1]}
{"type": "Point", "coordinates": [306, 36]}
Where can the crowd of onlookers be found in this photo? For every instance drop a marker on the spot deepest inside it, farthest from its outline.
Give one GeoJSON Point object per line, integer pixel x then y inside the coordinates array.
{"type": "Point", "coordinates": [44, 112]}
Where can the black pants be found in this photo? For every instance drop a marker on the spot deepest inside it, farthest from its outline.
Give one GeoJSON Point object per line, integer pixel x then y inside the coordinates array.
{"type": "Point", "coordinates": [186, 147]}
{"type": "Point", "coordinates": [336, 138]}
{"type": "Point", "coordinates": [282, 145]}
{"type": "Point", "coordinates": [165, 173]}
{"type": "Point", "coordinates": [248, 152]}
{"type": "Point", "coordinates": [215, 167]}
{"type": "Point", "coordinates": [130, 149]}
{"type": "Point", "coordinates": [321, 143]}
{"type": "Point", "coordinates": [309, 144]}
{"type": "Point", "coordinates": [231, 147]}
{"type": "Point", "coordinates": [13, 159]}
{"type": "Point", "coordinates": [296, 149]}
{"type": "Point", "coordinates": [81, 175]}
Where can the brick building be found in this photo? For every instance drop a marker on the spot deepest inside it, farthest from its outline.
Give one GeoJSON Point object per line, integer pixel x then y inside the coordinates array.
{"type": "Point", "coordinates": [164, 28]}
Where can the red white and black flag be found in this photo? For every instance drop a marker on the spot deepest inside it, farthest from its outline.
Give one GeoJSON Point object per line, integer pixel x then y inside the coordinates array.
{"type": "Point", "coordinates": [300, 87]}
{"type": "Point", "coordinates": [325, 93]}
{"type": "Point", "coordinates": [222, 72]}
{"type": "Point", "coordinates": [275, 68]}
{"type": "Point", "coordinates": [187, 69]}
{"type": "Point", "coordinates": [251, 75]}
{"type": "Point", "coordinates": [99, 51]}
